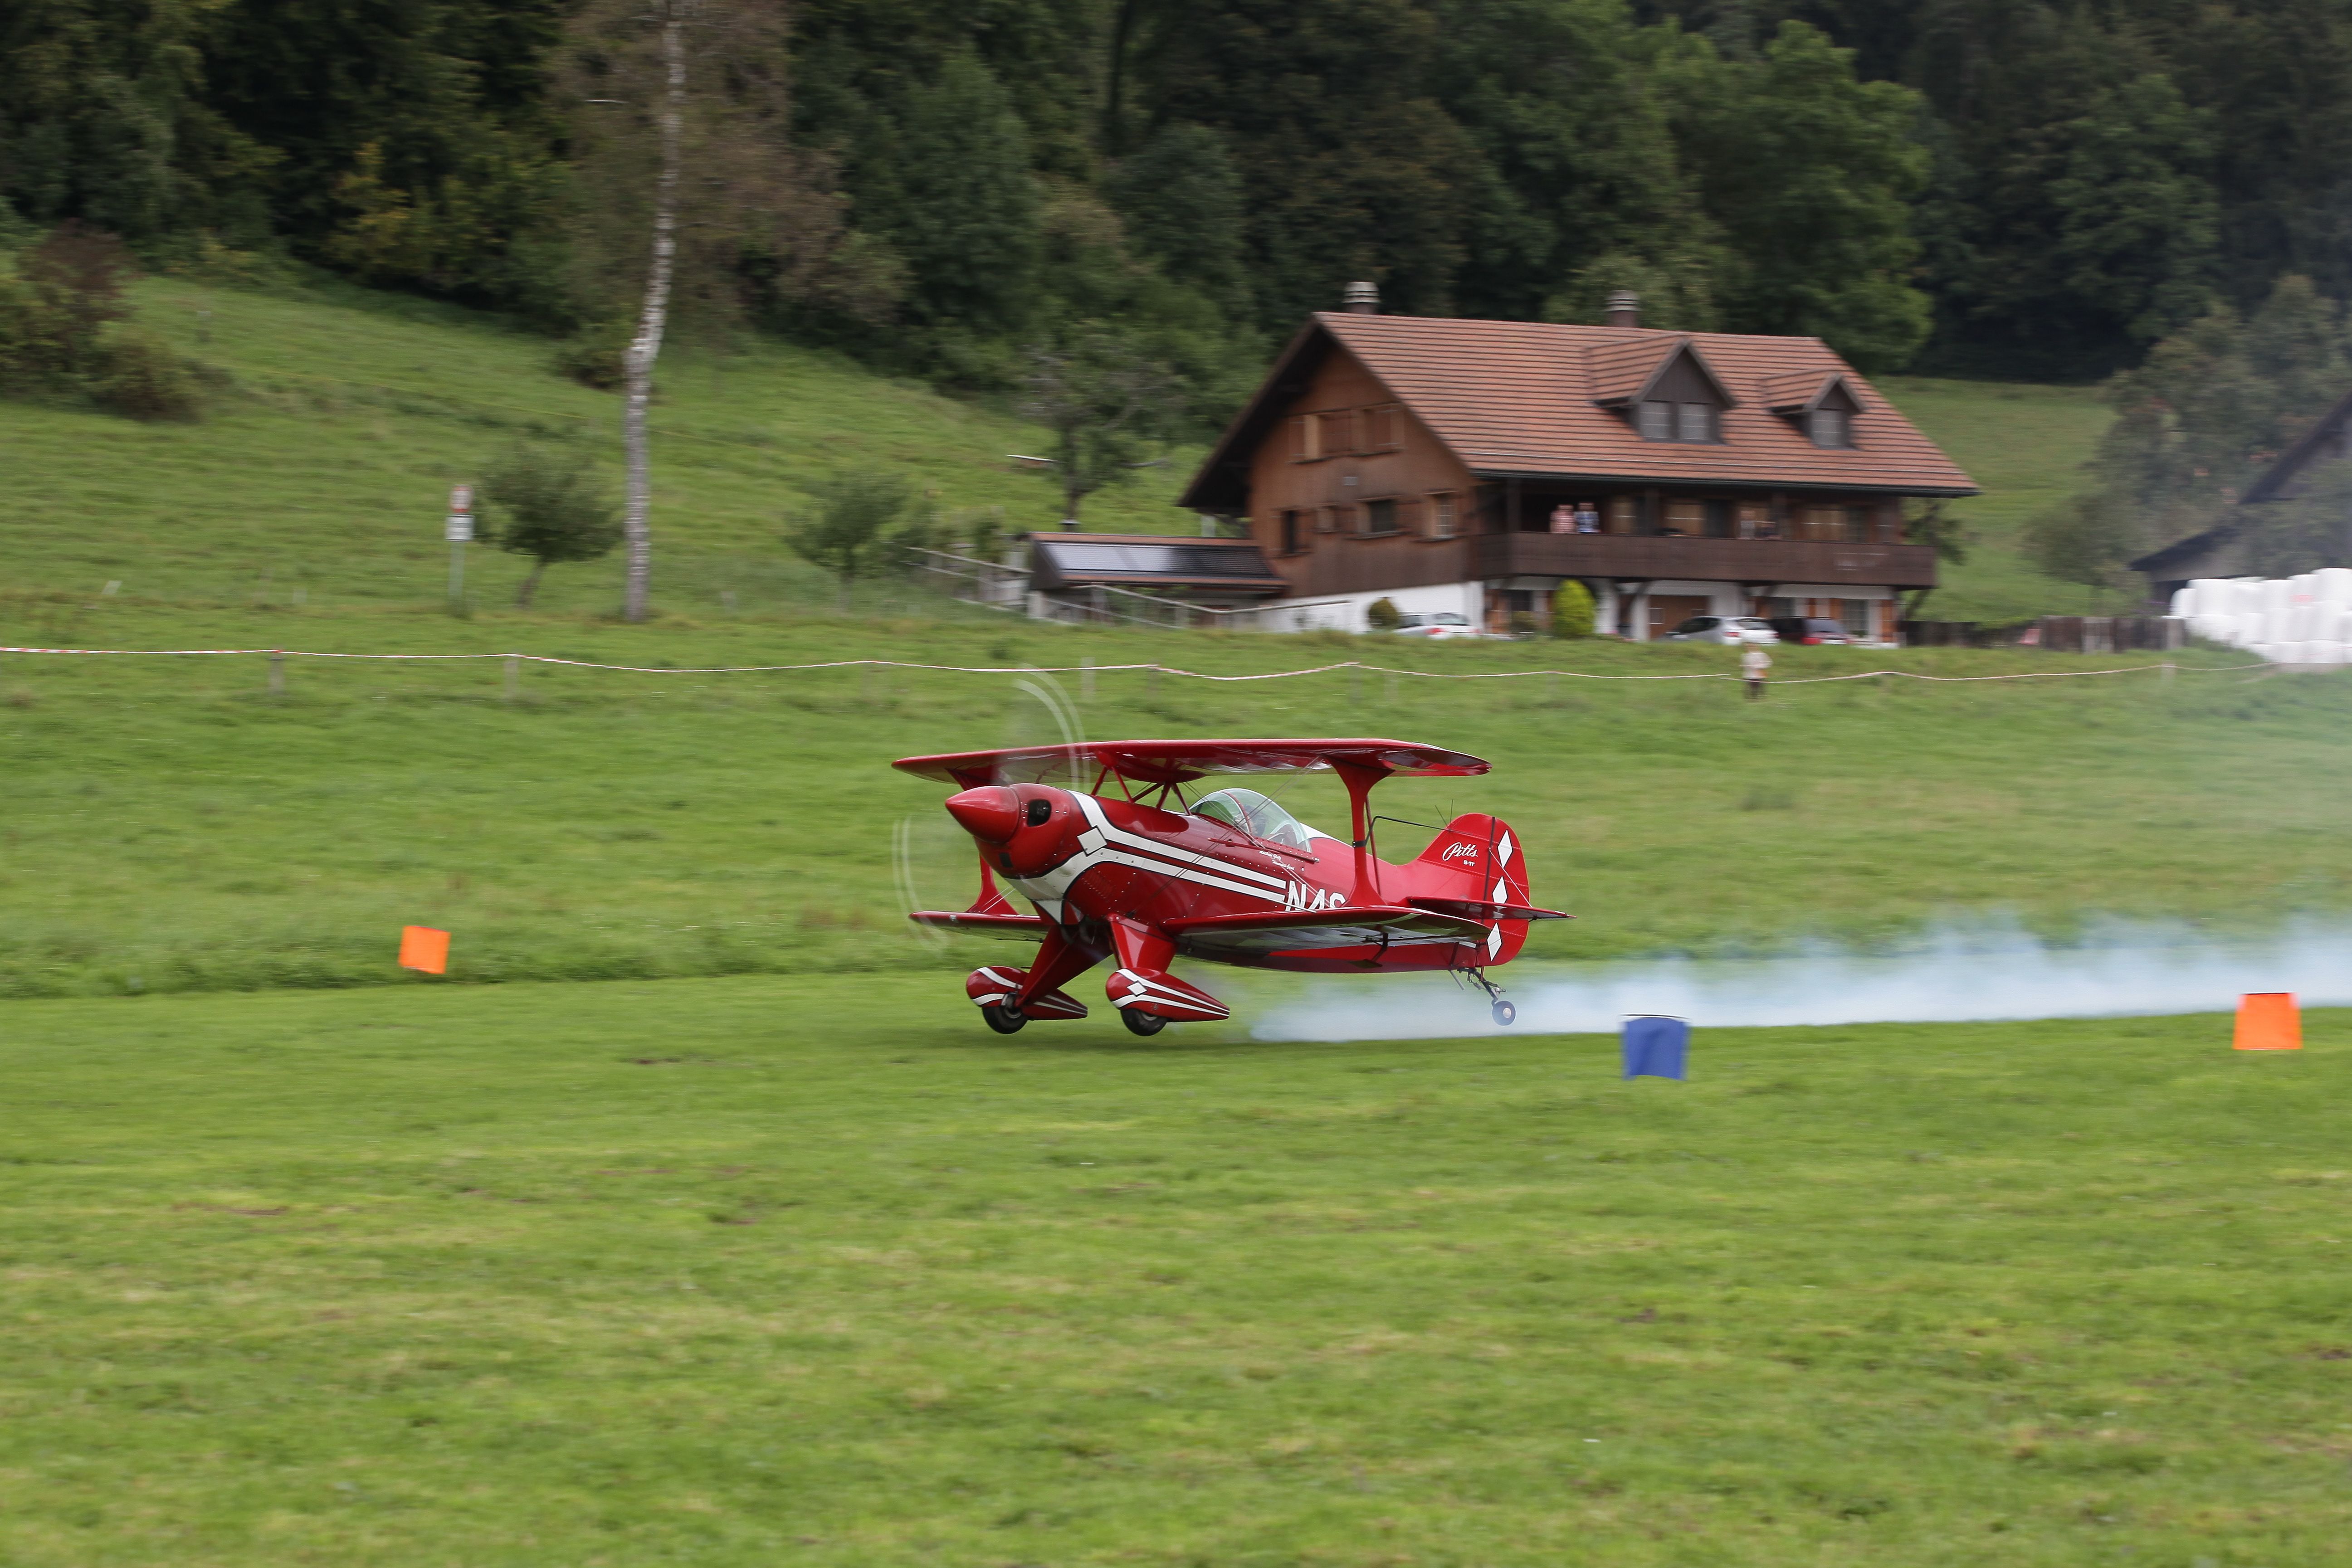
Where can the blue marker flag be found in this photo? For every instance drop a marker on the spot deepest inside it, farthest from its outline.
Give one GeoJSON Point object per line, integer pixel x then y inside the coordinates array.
{"type": "Point", "coordinates": [1656, 1047]}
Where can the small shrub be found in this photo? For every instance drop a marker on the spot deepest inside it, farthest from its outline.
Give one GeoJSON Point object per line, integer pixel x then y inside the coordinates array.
{"type": "Point", "coordinates": [1572, 611]}
{"type": "Point", "coordinates": [140, 378]}
{"type": "Point", "coordinates": [1384, 616]}
{"type": "Point", "coordinates": [597, 355]}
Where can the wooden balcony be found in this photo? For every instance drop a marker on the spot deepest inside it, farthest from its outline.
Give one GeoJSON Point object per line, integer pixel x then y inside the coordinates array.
{"type": "Point", "coordinates": [1707, 561]}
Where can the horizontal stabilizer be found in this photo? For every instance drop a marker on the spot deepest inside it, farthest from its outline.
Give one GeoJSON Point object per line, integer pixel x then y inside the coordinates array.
{"type": "Point", "coordinates": [1471, 909]}
{"type": "Point", "coordinates": [1024, 927]}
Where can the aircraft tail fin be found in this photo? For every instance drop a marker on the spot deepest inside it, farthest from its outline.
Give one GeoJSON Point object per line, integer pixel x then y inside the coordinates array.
{"type": "Point", "coordinates": [1476, 859]}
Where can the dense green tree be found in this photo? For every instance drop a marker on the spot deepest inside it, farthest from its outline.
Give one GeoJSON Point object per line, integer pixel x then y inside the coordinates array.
{"type": "Point", "coordinates": [1809, 172]}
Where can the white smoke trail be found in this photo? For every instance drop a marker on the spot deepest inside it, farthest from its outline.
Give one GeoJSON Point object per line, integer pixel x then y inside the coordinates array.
{"type": "Point", "coordinates": [1987, 970]}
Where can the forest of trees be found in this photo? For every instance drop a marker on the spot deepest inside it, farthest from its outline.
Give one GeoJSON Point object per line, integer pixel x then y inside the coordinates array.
{"type": "Point", "coordinates": [1989, 186]}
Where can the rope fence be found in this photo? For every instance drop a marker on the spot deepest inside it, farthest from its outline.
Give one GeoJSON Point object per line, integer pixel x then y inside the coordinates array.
{"type": "Point", "coordinates": [2166, 669]}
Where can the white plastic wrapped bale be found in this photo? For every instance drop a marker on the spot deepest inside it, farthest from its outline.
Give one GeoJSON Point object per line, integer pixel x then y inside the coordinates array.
{"type": "Point", "coordinates": [2334, 585]}
{"type": "Point", "coordinates": [2277, 593]}
{"type": "Point", "coordinates": [2328, 653]}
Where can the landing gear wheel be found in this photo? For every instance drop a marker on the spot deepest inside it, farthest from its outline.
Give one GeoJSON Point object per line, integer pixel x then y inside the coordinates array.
{"type": "Point", "coordinates": [1142, 1023]}
{"type": "Point", "coordinates": [1005, 1020]}
{"type": "Point", "coordinates": [1504, 1013]}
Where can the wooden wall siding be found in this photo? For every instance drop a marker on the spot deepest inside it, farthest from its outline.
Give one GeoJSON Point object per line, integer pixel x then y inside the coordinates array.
{"type": "Point", "coordinates": [1700, 560]}
{"type": "Point", "coordinates": [1395, 459]}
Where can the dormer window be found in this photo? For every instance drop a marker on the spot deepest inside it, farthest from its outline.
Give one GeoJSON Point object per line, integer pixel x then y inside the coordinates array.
{"type": "Point", "coordinates": [1659, 420]}
{"type": "Point", "coordinates": [1821, 404]}
{"type": "Point", "coordinates": [1666, 392]}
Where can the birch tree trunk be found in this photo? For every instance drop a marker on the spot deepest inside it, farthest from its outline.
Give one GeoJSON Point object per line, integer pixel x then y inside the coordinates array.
{"type": "Point", "coordinates": [636, 520]}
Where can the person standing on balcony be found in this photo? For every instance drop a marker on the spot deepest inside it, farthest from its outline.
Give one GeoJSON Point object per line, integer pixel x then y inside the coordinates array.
{"type": "Point", "coordinates": [1588, 519]}
{"type": "Point", "coordinates": [1753, 662]}
{"type": "Point", "coordinates": [1563, 519]}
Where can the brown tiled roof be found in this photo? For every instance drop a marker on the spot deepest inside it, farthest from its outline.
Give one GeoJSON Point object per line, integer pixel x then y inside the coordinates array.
{"type": "Point", "coordinates": [1794, 390]}
{"type": "Point", "coordinates": [1620, 369]}
{"type": "Point", "coordinates": [1518, 397]}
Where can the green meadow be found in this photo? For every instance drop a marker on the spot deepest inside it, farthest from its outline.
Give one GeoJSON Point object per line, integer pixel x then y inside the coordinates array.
{"type": "Point", "coordinates": [171, 824]}
{"type": "Point", "coordinates": [750, 1245]}
{"type": "Point", "coordinates": [765, 1269]}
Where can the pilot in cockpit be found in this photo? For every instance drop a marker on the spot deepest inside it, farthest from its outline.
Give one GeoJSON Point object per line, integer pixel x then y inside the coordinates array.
{"type": "Point", "coordinates": [1258, 816]}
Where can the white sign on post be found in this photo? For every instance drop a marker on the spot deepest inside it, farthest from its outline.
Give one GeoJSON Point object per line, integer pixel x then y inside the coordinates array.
{"type": "Point", "coordinates": [460, 529]}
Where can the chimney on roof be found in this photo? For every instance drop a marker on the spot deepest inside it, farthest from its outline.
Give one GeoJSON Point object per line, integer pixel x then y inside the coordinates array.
{"type": "Point", "coordinates": [1624, 309]}
{"type": "Point", "coordinates": [1360, 299]}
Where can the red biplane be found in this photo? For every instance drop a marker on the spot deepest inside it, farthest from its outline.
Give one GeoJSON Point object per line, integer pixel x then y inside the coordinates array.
{"type": "Point", "coordinates": [1147, 875]}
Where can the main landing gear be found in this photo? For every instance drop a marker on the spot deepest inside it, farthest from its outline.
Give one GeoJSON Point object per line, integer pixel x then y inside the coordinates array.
{"type": "Point", "coordinates": [1005, 1018]}
{"type": "Point", "coordinates": [1504, 1013]}
{"type": "Point", "coordinates": [1144, 1024]}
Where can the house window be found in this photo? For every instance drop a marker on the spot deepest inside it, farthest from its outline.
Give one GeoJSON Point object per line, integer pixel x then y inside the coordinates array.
{"type": "Point", "coordinates": [1442, 518]}
{"type": "Point", "coordinates": [1657, 421]}
{"type": "Point", "coordinates": [1379, 429]}
{"type": "Point", "coordinates": [1688, 518]}
{"type": "Point", "coordinates": [1290, 534]}
{"type": "Point", "coordinates": [1302, 438]}
{"type": "Point", "coordinates": [1380, 516]}
{"type": "Point", "coordinates": [1694, 422]}
{"type": "Point", "coordinates": [1823, 524]}
{"type": "Point", "coordinates": [1337, 433]}
{"type": "Point", "coordinates": [1719, 519]}
{"type": "Point", "coordinates": [1857, 525]}
{"type": "Point", "coordinates": [1853, 614]}
{"type": "Point", "coordinates": [1327, 519]}
{"type": "Point", "coordinates": [1621, 516]}
{"type": "Point", "coordinates": [1830, 427]}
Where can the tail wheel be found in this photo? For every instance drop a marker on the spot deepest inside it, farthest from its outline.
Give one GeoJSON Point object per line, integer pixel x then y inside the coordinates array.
{"type": "Point", "coordinates": [1142, 1023]}
{"type": "Point", "coordinates": [1504, 1013]}
{"type": "Point", "coordinates": [1005, 1020]}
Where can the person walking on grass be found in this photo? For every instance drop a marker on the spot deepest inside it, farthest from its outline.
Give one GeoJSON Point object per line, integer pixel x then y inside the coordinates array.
{"type": "Point", "coordinates": [1753, 663]}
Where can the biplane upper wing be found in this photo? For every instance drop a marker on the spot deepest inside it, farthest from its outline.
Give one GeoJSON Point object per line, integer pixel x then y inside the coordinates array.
{"type": "Point", "coordinates": [1182, 761]}
{"type": "Point", "coordinates": [1294, 930]}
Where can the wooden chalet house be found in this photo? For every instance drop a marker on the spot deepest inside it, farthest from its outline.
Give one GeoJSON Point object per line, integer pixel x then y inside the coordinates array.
{"type": "Point", "coordinates": [1474, 466]}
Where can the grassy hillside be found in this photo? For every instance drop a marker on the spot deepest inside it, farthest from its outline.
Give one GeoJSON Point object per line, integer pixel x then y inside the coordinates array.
{"type": "Point", "coordinates": [169, 824]}
{"type": "Point", "coordinates": [2026, 446]}
{"type": "Point", "coordinates": [656, 1273]}
{"type": "Point", "coordinates": [323, 470]}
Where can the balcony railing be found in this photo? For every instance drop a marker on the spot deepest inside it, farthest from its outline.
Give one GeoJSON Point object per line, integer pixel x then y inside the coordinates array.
{"type": "Point", "coordinates": [1707, 561]}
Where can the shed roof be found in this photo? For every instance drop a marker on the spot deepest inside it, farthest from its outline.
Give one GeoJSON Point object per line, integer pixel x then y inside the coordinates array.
{"type": "Point", "coordinates": [1526, 398]}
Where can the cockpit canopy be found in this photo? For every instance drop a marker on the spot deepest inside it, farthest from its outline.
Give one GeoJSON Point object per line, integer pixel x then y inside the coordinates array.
{"type": "Point", "coordinates": [1258, 816]}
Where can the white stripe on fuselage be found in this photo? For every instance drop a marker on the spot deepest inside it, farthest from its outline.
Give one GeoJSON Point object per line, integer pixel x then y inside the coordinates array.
{"type": "Point", "coordinates": [1048, 890]}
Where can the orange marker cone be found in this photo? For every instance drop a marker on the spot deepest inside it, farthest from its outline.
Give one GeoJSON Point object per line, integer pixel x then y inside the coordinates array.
{"type": "Point", "coordinates": [2267, 1021]}
{"type": "Point", "coordinates": [422, 947]}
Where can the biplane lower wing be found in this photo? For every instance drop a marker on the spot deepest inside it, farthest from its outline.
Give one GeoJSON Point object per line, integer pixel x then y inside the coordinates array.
{"type": "Point", "coordinates": [1022, 927]}
{"type": "Point", "coordinates": [1298, 930]}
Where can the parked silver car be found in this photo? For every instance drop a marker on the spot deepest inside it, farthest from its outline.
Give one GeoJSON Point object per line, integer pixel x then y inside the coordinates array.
{"type": "Point", "coordinates": [1437, 623]}
{"type": "Point", "coordinates": [1727, 629]}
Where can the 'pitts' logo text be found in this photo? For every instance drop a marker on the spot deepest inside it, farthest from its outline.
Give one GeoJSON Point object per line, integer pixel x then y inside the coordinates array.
{"type": "Point", "coordinates": [1461, 849]}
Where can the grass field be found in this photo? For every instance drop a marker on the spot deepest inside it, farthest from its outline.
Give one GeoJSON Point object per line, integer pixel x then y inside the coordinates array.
{"type": "Point", "coordinates": [759, 1270]}
{"type": "Point", "coordinates": [322, 471]}
{"type": "Point", "coordinates": [168, 825]}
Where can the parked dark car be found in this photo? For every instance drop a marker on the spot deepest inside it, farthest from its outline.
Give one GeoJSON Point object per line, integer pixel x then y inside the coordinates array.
{"type": "Point", "coordinates": [1812, 631]}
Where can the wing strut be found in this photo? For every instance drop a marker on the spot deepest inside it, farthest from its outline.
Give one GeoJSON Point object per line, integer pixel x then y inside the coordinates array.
{"type": "Point", "coordinates": [1359, 777]}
